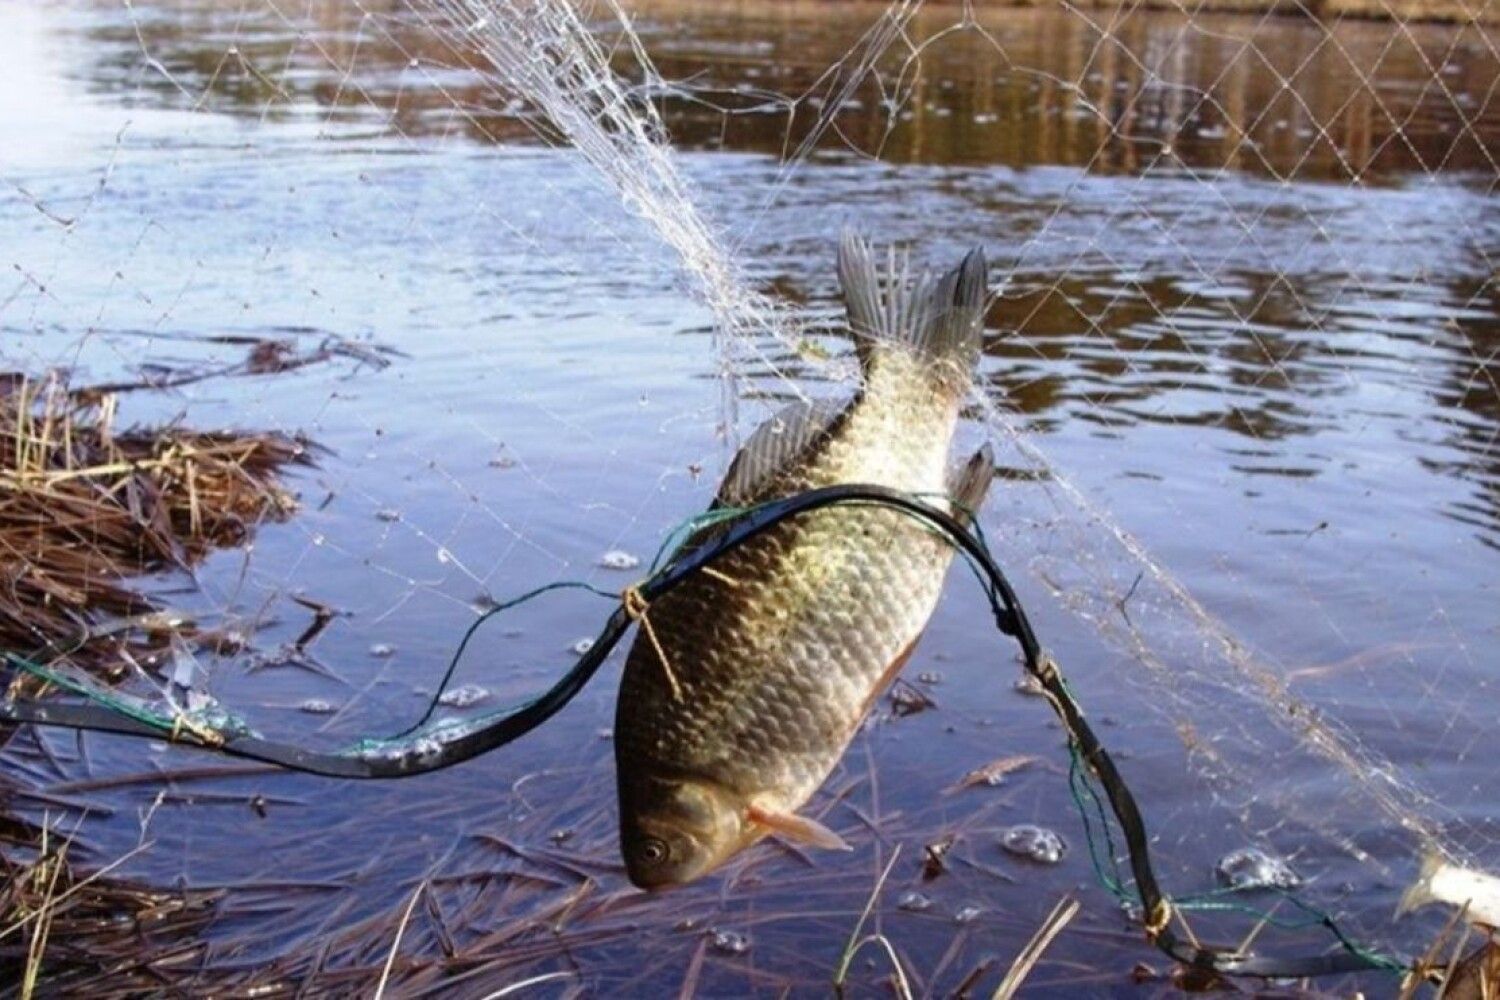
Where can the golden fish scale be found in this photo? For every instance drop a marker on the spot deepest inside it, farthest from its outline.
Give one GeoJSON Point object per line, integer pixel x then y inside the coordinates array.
{"type": "Point", "coordinates": [780, 652]}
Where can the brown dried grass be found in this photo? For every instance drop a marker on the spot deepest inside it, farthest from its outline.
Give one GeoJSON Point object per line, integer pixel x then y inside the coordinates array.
{"type": "Point", "coordinates": [84, 506]}
{"type": "Point", "coordinates": [89, 930]}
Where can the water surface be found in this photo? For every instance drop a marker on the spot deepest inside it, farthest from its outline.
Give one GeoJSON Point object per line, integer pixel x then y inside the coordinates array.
{"type": "Point", "coordinates": [1248, 311]}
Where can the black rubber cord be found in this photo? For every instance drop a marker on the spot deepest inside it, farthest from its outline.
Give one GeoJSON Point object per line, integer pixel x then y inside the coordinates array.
{"type": "Point", "coordinates": [1010, 618]}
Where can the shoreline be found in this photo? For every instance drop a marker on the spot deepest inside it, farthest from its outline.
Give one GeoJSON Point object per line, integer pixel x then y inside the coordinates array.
{"type": "Point", "coordinates": [1443, 12]}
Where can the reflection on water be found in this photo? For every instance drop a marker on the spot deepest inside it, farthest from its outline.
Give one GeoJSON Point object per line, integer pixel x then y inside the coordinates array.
{"type": "Point", "coordinates": [1113, 91]}
{"type": "Point", "coordinates": [1283, 383]}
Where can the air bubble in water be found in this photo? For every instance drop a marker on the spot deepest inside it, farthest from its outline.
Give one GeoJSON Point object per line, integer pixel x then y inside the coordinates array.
{"type": "Point", "coordinates": [1036, 843]}
{"type": "Point", "coordinates": [913, 902]}
{"type": "Point", "coordinates": [730, 942]}
{"type": "Point", "coordinates": [317, 706]}
{"type": "Point", "coordinates": [1252, 868]}
{"type": "Point", "coordinates": [387, 514]}
{"type": "Point", "coordinates": [967, 915]}
{"type": "Point", "coordinates": [582, 646]}
{"type": "Point", "coordinates": [463, 697]}
{"type": "Point", "coordinates": [382, 650]}
{"type": "Point", "coordinates": [619, 559]}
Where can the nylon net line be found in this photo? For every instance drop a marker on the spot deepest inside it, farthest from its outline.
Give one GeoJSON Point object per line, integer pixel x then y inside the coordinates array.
{"type": "Point", "coordinates": [498, 287]}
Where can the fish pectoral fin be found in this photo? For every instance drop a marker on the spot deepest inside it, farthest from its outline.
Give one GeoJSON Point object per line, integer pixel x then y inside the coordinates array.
{"type": "Point", "coordinates": [798, 828]}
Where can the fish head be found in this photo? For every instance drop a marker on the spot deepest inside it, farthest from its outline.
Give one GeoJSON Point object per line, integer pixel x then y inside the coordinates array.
{"type": "Point", "coordinates": [674, 830]}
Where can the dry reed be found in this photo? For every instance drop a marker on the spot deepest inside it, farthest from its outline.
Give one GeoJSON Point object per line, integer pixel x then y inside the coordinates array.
{"type": "Point", "coordinates": [85, 505]}
{"type": "Point", "coordinates": [96, 932]}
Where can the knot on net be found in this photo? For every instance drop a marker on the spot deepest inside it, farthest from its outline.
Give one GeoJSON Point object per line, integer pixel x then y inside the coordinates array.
{"type": "Point", "coordinates": [204, 735]}
{"type": "Point", "coordinates": [1160, 916]}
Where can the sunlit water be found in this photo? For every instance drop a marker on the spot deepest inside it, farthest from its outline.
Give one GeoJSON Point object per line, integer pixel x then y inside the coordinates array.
{"type": "Point", "coordinates": [1284, 388]}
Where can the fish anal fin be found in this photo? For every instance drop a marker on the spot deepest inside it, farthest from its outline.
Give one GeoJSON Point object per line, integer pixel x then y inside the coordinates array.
{"type": "Point", "coordinates": [887, 678]}
{"type": "Point", "coordinates": [800, 829]}
{"type": "Point", "coordinates": [968, 484]}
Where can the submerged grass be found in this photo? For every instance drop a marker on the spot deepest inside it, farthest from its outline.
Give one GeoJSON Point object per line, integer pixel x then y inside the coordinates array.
{"type": "Point", "coordinates": [856, 942]}
{"type": "Point", "coordinates": [84, 508]}
{"type": "Point", "coordinates": [1062, 914]}
{"type": "Point", "coordinates": [99, 935]}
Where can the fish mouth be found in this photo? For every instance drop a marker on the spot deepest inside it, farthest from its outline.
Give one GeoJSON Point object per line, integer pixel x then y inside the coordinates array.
{"type": "Point", "coordinates": [655, 882]}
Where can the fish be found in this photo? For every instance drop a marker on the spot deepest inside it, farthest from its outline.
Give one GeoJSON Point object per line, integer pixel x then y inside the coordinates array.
{"type": "Point", "coordinates": [746, 682]}
{"type": "Point", "coordinates": [1477, 893]}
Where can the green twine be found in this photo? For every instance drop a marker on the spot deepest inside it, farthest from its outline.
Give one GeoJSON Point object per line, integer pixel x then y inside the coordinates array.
{"type": "Point", "coordinates": [1085, 795]}
{"type": "Point", "coordinates": [372, 743]}
{"type": "Point", "coordinates": [1082, 788]}
{"type": "Point", "coordinates": [169, 724]}
{"type": "Point", "coordinates": [67, 683]}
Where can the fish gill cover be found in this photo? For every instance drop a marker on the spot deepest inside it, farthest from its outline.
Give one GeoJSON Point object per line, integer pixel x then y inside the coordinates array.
{"type": "Point", "coordinates": [1239, 372]}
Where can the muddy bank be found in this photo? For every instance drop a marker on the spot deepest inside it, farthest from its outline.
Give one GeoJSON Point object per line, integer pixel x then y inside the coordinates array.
{"type": "Point", "coordinates": [1451, 11]}
{"type": "Point", "coordinates": [1448, 11]}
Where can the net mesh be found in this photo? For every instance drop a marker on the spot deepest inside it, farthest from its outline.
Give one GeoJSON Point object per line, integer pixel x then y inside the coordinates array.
{"type": "Point", "coordinates": [541, 265]}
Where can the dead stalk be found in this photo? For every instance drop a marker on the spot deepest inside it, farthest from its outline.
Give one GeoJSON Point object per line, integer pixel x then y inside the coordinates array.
{"type": "Point", "coordinates": [855, 943]}
{"type": "Point", "coordinates": [390, 959]}
{"type": "Point", "coordinates": [1062, 914]}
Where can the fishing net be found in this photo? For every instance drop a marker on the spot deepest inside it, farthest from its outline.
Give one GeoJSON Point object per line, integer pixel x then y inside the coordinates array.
{"type": "Point", "coordinates": [516, 276]}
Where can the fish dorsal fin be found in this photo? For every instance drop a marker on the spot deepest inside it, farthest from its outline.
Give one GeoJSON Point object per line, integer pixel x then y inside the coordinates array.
{"type": "Point", "coordinates": [940, 318]}
{"type": "Point", "coordinates": [800, 829]}
{"type": "Point", "coordinates": [774, 446]}
{"type": "Point", "coordinates": [968, 483]}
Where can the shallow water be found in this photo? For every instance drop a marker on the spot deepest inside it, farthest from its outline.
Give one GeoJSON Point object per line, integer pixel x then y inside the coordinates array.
{"type": "Point", "coordinates": [1269, 354]}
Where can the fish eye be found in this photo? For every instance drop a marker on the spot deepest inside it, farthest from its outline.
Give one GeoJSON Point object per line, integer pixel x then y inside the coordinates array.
{"type": "Point", "coordinates": [654, 851]}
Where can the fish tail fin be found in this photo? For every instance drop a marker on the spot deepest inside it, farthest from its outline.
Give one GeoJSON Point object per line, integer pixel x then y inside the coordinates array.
{"type": "Point", "coordinates": [968, 484]}
{"type": "Point", "coordinates": [941, 319]}
{"type": "Point", "coordinates": [1420, 893]}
